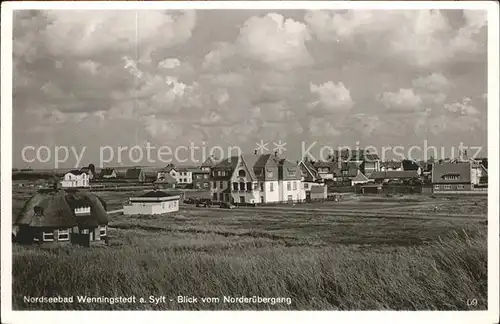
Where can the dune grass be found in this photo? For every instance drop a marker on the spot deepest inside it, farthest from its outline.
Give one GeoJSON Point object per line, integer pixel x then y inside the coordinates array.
{"type": "Point", "coordinates": [441, 275]}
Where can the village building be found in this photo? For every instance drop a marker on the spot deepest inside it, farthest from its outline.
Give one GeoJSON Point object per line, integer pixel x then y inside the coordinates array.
{"type": "Point", "coordinates": [209, 163]}
{"type": "Point", "coordinates": [349, 171]}
{"type": "Point", "coordinates": [62, 216]}
{"type": "Point", "coordinates": [360, 178]}
{"type": "Point", "coordinates": [318, 192]}
{"type": "Point", "coordinates": [391, 166]}
{"type": "Point", "coordinates": [201, 179]}
{"type": "Point", "coordinates": [75, 179]}
{"type": "Point", "coordinates": [479, 174]}
{"type": "Point", "coordinates": [108, 173]}
{"type": "Point", "coordinates": [135, 174]}
{"type": "Point", "coordinates": [183, 175]}
{"type": "Point", "coordinates": [387, 176]}
{"type": "Point", "coordinates": [452, 177]}
{"type": "Point", "coordinates": [165, 181]}
{"type": "Point", "coordinates": [257, 178]}
{"type": "Point", "coordinates": [152, 203]}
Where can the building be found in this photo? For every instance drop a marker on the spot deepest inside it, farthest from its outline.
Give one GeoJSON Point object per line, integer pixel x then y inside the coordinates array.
{"type": "Point", "coordinates": [255, 178]}
{"type": "Point", "coordinates": [360, 178]}
{"type": "Point", "coordinates": [371, 189]}
{"type": "Point", "coordinates": [317, 193]}
{"type": "Point", "coordinates": [135, 174]}
{"type": "Point", "coordinates": [452, 177]}
{"type": "Point", "coordinates": [349, 171]}
{"type": "Point", "coordinates": [183, 175]}
{"type": "Point", "coordinates": [478, 174]}
{"type": "Point", "coordinates": [166, 181]}
{"type": "Point", "coordinates": [391, 166]}
{"type": "Point", "coordinates": [327, 170]}
{"type": "Point", "coordinates": [62, 216]}
{"type": "Point", "coordinates": [386, 176]}
{"type": "Point", "coordinates": [152, 203]}
{"type": "Point", "coordinates": [364, 160]}
{"type": "Point", "coordinates": [410, 165]}
{"type": "Point", "coordinates": [209, 163]}
{"type": "Point", "coordinates": [108, 173]}
{"type": "Point", "coordinates": [75, 179]}
{"type": "Point", "coordinates": [90, 171]}
{"type": "Point", "coordinates": [201, 179]}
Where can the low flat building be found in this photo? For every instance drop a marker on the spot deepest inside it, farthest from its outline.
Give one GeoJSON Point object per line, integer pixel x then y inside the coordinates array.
{"type": "Point", "coordinates": [451, 177]}
{"type": "Point", "coordinates": [152, 203]}
{"type": "Point", "coordinates": [317, 193]}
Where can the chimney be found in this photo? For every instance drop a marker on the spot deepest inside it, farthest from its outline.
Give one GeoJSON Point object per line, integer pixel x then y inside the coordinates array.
{"type": "Point", "coordinates": [275, 153]}
{"type": "Point", "coordinates": [306, 159]}
{"type": "Point", "coordinates": [255, 152]}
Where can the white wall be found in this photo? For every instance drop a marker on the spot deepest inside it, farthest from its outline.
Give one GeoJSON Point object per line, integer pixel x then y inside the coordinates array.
{"type": "Point", "coordinates": [271, 196]}
{"type": "Point", "coordinates": [155, 208]}
{"type": "Point", "coordinates": [72, 180]}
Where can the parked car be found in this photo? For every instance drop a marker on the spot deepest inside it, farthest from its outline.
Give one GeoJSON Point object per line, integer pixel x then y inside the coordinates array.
{"type": "Point", "coordinates": [227, 205]}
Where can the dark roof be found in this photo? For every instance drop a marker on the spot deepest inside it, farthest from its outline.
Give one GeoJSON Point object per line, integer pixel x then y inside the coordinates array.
{"type": "Point", "coordinates": [76, 172]}
{"type": "Point", "coordinates": [58, 210]}
{"type": "Point", "coordinates": [409, 165]}
{"type": "Point", "coordinates": [155, 194]}
{"type": "Point", "coordinates": [230, 162]}
{"type": "Point", "coordinates": [439, 171]}
{"type": "Point", "coordinates": [107, 171]}
{"type": "Point", "coordinates": [370, 157]}
{"type": "Point", "coordinates": [167, 178]}
{"type": "Point", "coordinates": [209, 162]}
{"type": "Point", "coordinates": [133, 173]}
{"type": "Point", "coordinates": [351, 168]}
{"type": "Point", "coordinates": [393, 175]}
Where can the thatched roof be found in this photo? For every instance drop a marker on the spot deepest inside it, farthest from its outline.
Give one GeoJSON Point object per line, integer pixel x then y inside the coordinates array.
{"type": "Point", "coordinates": [57, 210]}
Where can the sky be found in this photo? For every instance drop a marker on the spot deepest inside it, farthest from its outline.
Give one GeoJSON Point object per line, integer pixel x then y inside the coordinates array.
{"type": "Point", "coordinates": [91, 79]}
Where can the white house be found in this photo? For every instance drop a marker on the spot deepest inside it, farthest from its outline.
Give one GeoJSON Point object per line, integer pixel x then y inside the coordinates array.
{"type": "Point", "coordinates": [75, 179]}
{"type": "Point", "coordinates": [257, 179]}
{"type": "Point", "coordinates": [152, 203]}
{"type": "Point", "coordinates": [182, 175]}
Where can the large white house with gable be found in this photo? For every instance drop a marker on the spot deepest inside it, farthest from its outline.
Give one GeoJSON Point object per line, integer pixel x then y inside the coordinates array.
{"type": "Point", "coordinates": [256, 179]}
{"type": "Point", "coordinates": [75, 179]}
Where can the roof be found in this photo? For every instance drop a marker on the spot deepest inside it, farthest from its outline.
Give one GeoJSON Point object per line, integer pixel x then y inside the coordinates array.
{"type": "Point", "coordinates": [370, 157]}
{"type": "Point", "coordinates": [155, 194]}
{"type": "Point", "coordinates": [209, 162]}
{"type": "Point", "coordinates": [439, 171]}
{"type": "Point", "coordinates": [133, 173]}
{"type": "Point", "coordinates": [107, 171]}
{"type": "Point", "coordinates": [409, 165]}
{"type": "Point", "coordinates": [230, 162]}
{"type": "Point", "coordinates": [166, 178]}
{"type": "Point", "coordinates": [360, 177]}
{"type": "Point", "coordinates": [58, 210]}
{"type": "Point", "coordinates": [394, 175]}
{"type": "Point", "coordinates": [351, 168]}
{"type": "Point", "coordinates": [76, 172]}
{"type": "Point", "coordinates": [197, 171]}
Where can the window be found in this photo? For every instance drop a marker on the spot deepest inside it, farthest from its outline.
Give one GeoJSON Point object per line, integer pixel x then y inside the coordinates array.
{"type": "Point", "coordinates": [103, 230]}
{"type": "Point", "coordinates": [205, 185]}
{"type": "Point", "coordinates": [219, 173]}
{"type": "Point", "coordinates": [306, 185]}
{"type": "Point", "coordinates": [249, 186]}
{"type": "Point", "coordinates": [294, 185]}
{"type": "Point", "coordinates": [447, 186]}
{"type": "Point", "coordinates": [270, 173]}
{"type": "Point", "coordinates": [291, 172]}
{"type": "Point", "coordinates": [271, 187]}
{"type": "Point", "coordinates": [255, 186]}
{"type": "Point", "coordinates": [205, 176]}
{"type": "Point", "coordinates": [262, 186]}
{"type": "Point", "coordinates": [241, 173]}
{"type": "Point", "coordinates": [175, 203]}
{"type": "Point", "coordinates": [38, 211]}
{"type": "Point", "coordinates": [215, 184]}
{"type": "Point", "coordinates": [63, 234]}
{"type": "Point", "coordinates": [235, 185]}
{"type": "Point", "coordinates": [288, 185]}
{"type": "Point", "coordinates": [436, 186]}
{"type": "Point", "coordinates": [48, 236]}
{"type": "Point", "coordinates": [221, 185]}
{"type": "Point", "coordinates": [242, 186]}
{"type": "Point", "coordinates": [460, 186]}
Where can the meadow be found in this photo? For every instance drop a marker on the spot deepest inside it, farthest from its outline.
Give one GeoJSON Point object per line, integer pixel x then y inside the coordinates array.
{"type": "Point", "coordinates": [321, 260]}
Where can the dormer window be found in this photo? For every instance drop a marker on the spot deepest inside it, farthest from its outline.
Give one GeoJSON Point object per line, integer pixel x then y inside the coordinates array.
{"type": "Point", "coordinates": [38, 211]}
{"type": "Point", "coordinates": [241, 173]}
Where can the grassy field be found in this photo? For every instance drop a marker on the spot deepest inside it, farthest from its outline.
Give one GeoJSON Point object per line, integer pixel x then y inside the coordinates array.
{"type": "Point", "coordinates": [319, 260]}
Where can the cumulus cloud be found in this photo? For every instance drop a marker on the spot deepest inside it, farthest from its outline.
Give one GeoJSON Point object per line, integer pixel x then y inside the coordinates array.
{"type": "Point", "coordinates": [276, 41]}
{"type": "Point", "coordinates": [322, 127]}
{"type": "Point", "coordinates": [463, 108]}
{"type": "Point", "coordinates": [332, 97]}
{"type": "Point", "coordinates": [404, 100]}
{"type": "Point", "coordinates": [418, 37]}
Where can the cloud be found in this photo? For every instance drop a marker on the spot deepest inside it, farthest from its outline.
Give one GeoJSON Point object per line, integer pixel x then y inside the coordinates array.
{"type": "Point", "coordinates": [463, 108]}
{"type": "Point", "coordinates": [275, 41]}
{"type": "Point", "coordinates": [417, 37]}
{"type": "Point", "coordinates": [332, 97]}
{"type": "Point", "coordinates": [405, 100]}
{"type": "Point", "coordinates": [322, 127]}
{"type": "Point", "coordinates": [216, 57]}
{"type": "Point", "coordinates": [434, 82]}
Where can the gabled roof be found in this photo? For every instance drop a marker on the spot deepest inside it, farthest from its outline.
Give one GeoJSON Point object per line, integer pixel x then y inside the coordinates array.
{"type": "Point", "coordinates": [439, 171]}
{"type": "Point", "coordinates": [409, 165]}
{"type": "Point", "coordinates": [167, 178]}
{"type": "Point", "coordinates": [209, 162]}
{"type": "Point", "coordinates": [133, 173]}
{"type": "Point", "coordinates": [107, 171]}
{"type": "Point", "coordinates": [360, 177]}
{"type": "Point", "coordinates": [393, 175]}
{"type": "Point", "coordinates": [230, 162]}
